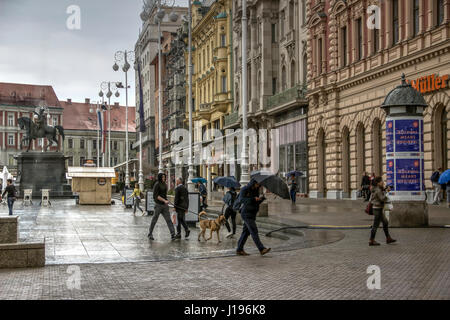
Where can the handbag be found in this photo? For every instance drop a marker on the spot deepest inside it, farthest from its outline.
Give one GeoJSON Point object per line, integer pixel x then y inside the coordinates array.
{"type": "Point", "coordinates": [369, 209]}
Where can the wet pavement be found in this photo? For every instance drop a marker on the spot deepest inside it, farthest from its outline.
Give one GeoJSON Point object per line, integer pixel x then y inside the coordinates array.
{"type": "Point", "coordinates": [110, 234]}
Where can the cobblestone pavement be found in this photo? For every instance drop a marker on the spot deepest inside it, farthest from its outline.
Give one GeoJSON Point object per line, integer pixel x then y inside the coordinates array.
{"type": "Point", "coordinates": [417, 267]}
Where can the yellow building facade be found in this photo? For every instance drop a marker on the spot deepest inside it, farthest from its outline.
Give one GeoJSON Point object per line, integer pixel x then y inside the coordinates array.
{"type": "Point", "coordinates": [212, 75]}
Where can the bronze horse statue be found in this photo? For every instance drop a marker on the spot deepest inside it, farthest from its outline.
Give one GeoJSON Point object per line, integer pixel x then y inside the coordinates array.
{"type": "Point", "coordinates": [36, 131]}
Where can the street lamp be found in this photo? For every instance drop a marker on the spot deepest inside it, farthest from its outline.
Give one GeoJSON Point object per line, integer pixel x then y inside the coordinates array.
{"type": "Point", "coordinates": [190, 162]}
{"type": "Point", "coordinates": [245, 176]}
{"type": "Point", "coordinates": [123, 58]}
{"type": "Point", "coordinates": [105, 88]}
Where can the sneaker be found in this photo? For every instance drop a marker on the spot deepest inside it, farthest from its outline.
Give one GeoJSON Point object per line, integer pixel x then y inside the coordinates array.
{"type": "Point", "coordinates": [264, 251]}
{"type": "Point", "coordinates": [150, 237]}
{"type": "Point", "coordinates": [188, 232]}
{"type": "Point", "coordinates": [178, 236]}
{"type": "Point", "coordinates": [230, 235]}
{"type": "Point", "coordinates": [242, 253]}
{"type": "Point", "coordinates": [174, 237]}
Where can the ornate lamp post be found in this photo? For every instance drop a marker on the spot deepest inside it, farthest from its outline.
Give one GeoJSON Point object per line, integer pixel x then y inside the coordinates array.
{"type": "Point", "coordinates": [106, 87]}
{"type": "Point", "coordinates": [404, 108]}
{"type": "Point", "coordinates": [245, 175]}
{"type": "Point", "coordinates": [123, 58]}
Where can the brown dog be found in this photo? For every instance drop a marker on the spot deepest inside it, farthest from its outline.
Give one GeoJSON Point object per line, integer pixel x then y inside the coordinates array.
{"type": "Point", "coordinates": [213, 225]}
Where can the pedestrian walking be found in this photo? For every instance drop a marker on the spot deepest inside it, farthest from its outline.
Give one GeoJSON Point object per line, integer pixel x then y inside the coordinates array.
{"type": "Point", "coordinates": [293, 190]}
{"type": "Point", "coordinates": [11, 192]}
{"type": "Point", "coordinates": [378, 198]}
{"type": "Point", "coordinates": [203, 194]}
{"type": "Point", "coordinates": [437, 187]}
{"type": "Point", "coordinates": [250, 199]}
{"type": "Point", "coordinates": [181, 204]}
{"type": "Point", "coordinates": [229, 199]}
{"type": "Point", "coordinates": [365, 185]}
{"type": "Point", "coordinates": [136, 195]}
{"type": "Point", "coordinates": [161, 206]}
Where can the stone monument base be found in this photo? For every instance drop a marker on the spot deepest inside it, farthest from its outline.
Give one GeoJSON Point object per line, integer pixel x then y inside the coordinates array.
{"type": "Point", "coordinates": [42, 170]}
{"type": "Point", "coordinates": [409, 214]}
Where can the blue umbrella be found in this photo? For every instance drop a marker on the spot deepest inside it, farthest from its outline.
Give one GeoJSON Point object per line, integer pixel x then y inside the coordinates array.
{"type": "Point", "coordinates": [228, 182]}
{"type": "Point", "coordinates": [444, 178]}
{"type": "Point", "coordinates": [202, 180]}
{"type": "Point", "coordinates": [294, 172]}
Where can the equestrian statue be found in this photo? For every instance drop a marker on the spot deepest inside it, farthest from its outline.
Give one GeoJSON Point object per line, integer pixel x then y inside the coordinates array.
{"type": "Point", "coordinates": [37, 128]}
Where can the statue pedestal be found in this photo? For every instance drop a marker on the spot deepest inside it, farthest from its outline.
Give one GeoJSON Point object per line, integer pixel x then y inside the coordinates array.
{"type": "Point", "coordinates": [42, 170]}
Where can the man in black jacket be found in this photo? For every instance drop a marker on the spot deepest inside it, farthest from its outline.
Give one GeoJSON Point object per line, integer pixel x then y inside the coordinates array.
{"type": "Point", "coordinates": [181, 204]}
{"type": "Point", "coordinates": [161, 206]}
{"type": "Point", "coordinates": [11, 191]}
{"type": "Point", "coordinates": [251, 200]}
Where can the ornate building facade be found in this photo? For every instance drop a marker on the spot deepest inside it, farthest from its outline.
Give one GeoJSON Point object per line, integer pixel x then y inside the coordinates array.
{"type": "Point", "coordinates": [352, 67]}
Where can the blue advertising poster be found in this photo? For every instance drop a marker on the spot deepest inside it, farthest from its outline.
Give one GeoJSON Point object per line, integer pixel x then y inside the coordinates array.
{"type": "Point", "coordinates": [407, 176]}
{"type": "Point", "coordinates": [407, 135]}
{"type": "Point", "coordinates": [390, 169]}
{"type": "Point", "coordinates": [389, 136]}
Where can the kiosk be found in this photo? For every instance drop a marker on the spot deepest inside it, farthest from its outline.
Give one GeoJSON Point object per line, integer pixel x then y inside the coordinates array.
{"type": "Point", "coordinates": [93, 185]}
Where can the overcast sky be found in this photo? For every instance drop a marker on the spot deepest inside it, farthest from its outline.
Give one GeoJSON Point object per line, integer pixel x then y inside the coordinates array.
{"type": "Point", "coordinates": [37, 47]}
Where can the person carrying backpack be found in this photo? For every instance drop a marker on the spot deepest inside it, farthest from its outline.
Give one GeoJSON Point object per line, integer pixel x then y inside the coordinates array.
{"type": "Point", "coordinates": [437, 187]}
{"type": "Point", "coordinates": [229, 199]}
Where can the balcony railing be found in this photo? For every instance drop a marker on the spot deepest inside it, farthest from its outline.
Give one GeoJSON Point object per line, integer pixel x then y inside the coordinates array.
{"type": "Point", "coordinates": [285, 97]}
{"type": "Point", "coordinates": [231, 119]}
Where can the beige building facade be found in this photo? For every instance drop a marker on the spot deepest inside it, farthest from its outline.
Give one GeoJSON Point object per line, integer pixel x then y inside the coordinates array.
{"type": "Point", "coordinates": [352, 68]}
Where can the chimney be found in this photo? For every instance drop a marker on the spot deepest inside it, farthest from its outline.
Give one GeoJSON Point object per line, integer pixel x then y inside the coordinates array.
{"type": "Point", "coordinates": [69, 101]}
{"type": "Point", "coordinates": [87, 101]}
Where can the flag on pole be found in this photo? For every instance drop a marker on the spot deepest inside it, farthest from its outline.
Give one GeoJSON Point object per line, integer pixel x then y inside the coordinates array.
{"type": "Point", "coordinates": [141, 102]}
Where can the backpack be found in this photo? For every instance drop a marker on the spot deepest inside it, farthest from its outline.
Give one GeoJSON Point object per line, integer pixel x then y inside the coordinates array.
{"type": "Point", "coordinates": [435, 176]}
{"type": "Point", "coordinates": [229, 199]}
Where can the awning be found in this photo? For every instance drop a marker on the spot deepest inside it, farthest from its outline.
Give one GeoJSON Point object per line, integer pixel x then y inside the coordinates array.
{"type": "Point", "coordinates": [89, 172]}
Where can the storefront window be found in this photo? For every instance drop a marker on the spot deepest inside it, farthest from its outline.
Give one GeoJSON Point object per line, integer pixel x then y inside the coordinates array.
{"type": "Point", "coordinates": [290, 158]}
{"type": "Point", "coordinates": [282, 159]}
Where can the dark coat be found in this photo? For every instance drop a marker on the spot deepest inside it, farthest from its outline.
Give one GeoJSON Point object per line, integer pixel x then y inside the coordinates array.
{"type": "Point", "coordinates": [181, 198]}
{"type": "Point", "coordinates": [250, 205]}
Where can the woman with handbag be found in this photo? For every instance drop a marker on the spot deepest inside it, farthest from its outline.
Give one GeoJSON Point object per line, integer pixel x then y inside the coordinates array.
{"type": "Point", "coordinates": [11, 198]}
{"type": "Point", "coordinates": [377, 199]}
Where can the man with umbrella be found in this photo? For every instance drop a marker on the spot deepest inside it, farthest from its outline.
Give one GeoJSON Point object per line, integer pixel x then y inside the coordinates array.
{"type": "Point", "coordinates": [250, 199]}
{"type": "Point", "coordinates": [229, 199]}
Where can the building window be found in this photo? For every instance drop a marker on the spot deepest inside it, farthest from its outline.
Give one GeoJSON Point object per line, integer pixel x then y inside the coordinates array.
{"type": "Point", "coordinates": [376, 40]}
{"type": "Point", "coordinates": [274, 33]}
{"type": "Point", "coordinates": [293, 72]}
{"type": "Point", "coordinates": [81, 161]}
{"type": "Point", "coordinates": [283, 78]}
{"type": "Point", "coordinates": [115, 145]}
{"type": "Point", "coordinates": [291, 15]}
{"type": "Point", "coordinates": [344, 46]}
{"type": "Point", "coordinates": [94, 144]}
{"type": "Point", "coordinates": [282, 24]}
{"type": "Point", "coordinates": [395, 25]}
{"type": "Point", "coordinates": [440, 12]}
{"type": "Point", "coordinates": [303, 11]}
{"type": "Point", "coordinates": [70, 160]}
{"type": "Point", "coordinates": [81, 143]}
{"type": "Point", "coordinates": [11, 120]}
{"type": "Point", "coordinates": [115, 161]}
{"type": "Point", "coordinates": [223, 40]}
{"type": "Point", "coordinates": [70, 142]}
{"type": "Point", "coordinates": [305, 68]}
{"type": "Point", "coordinates": [274, 86]}
{"type": "Point", "coordinates": [319, 56]}
{"type": "Point", "coordinates": [224, 84]}
{"type": "Point", "coordinates": [416, 17]}
{"type": "Point", "coordinates": [359, 40]}
{"type": "Point", "coordinates": [217, 124]}
{"type": "Point", "coordinates": [10, 139]}
{"type": "Point", "coordinates": [55, 121]}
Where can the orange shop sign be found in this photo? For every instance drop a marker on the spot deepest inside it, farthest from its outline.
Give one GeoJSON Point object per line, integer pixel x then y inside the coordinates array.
{"type": "Point", "coordinates": [430, 83]}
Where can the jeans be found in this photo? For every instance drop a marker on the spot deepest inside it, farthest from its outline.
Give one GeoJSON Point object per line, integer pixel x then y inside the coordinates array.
{"type": "Point", "coordinates": [379, 217]}
{"type": "Point", "coordinates": [249, 228]}
{"type": "Point", "coordinates": [230, 213]}
{"type": "Point", "coordinates": [181, 215]}
{"type": "Point", "coordinates": [437, 192]}
{"type": "Point", "coordinates": [162, 209]}
{"type": "Point", "coordinates": [136, 205]}
{"type": "Point", "coordinates": [10, 205]}
{"type": "Point", "coordinates": [293, 195]}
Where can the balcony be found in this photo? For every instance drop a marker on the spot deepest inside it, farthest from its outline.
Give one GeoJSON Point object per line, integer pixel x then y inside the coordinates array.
{"type": "Point", "coordinates": [285, 98]}
{"type": "Point", "coordinates": [231, 119]}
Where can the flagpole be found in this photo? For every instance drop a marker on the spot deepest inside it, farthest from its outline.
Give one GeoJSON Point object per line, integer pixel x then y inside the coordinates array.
{"type": "Point", "coordinates": [141, 127]}
{"type": "Point", "coordinates": [98, 137]}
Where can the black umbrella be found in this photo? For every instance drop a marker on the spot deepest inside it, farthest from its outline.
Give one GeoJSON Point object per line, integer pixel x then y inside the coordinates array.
{"type": "Point", "coordinates": [228, 182]}
{"type": "Point", "coordinates": [274, 184]}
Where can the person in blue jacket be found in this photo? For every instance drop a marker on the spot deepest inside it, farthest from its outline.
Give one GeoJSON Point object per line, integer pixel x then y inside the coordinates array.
{"type": "Point", "coordinates": [250, 200]}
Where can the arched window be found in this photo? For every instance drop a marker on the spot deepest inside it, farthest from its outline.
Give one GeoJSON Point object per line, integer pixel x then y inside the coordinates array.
{"type": "Point", "coordinates": [321, 163]}
{"type": "Point", "coordinates": [346, 181]}
{"type": "Point", "coordinates": [440, 137]}
{"type": "Point", "coordinates": [360, 151]}
{"type": "Point", "coordinates": [305, 68]}
{"type": "Point", "coordinates": [283, 78]}
{"type": "Point", "coordinates": [376, 148]}
{"type": "Point", "coordinates": [237, 102]}
{"type": "Point", "coordinates": [293, 73]}
{"type": "Point", "coordinates": [291, 15]}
